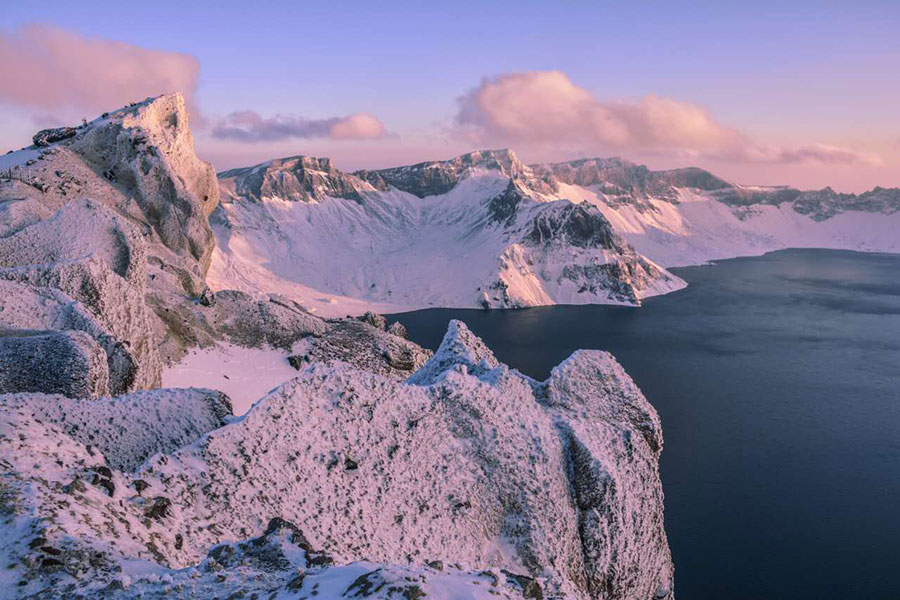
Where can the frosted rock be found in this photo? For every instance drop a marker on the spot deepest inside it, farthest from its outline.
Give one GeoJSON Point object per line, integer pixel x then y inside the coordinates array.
{"type": "Point", "coordinates": [129, 429]}
{"type": "Point", "coordinates": [24, 306]}
{"type": "Point", "coordinates": [95, 257]}
{"type": "Point", "coordinates": [70, 363]}
{"type": "Point", "coordinates": [519, 484]}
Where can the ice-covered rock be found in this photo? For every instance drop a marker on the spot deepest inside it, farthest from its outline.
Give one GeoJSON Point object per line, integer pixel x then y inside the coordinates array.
{"type": "Point", "coordinates": [24, 306]}
{"type": "Point", "coordinates": [127, 430]}
{"type": "Point", "coordinates": [550, 488]}
{"type": "Point", "coordinates": [97, 258]}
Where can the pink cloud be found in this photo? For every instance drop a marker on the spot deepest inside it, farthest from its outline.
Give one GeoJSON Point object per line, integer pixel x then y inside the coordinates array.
{"type": "Point", "coordinates": [547, 108]}
{"type": "Point", "coordinates": [249, 126]}
{"type": "Point", "coordinates": [48, 68]}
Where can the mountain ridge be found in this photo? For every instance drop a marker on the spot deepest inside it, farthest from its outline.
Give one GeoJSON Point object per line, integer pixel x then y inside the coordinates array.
{"type": "Point", "coordinates": [482, 205]}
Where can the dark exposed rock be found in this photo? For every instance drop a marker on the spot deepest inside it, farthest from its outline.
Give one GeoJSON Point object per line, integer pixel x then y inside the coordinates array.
{"type": "Point", "coordinates": [399, 329]}
{"type": "Point", "coordinates": [579, 225]}
{"type": "Point", "coordinates": [297, 179]}
{"type": "Point", "coordinates": [104, 482]}
{"type": "Point", "coordinates": [207, 298]}
{"type": "Point", "coordinates": [159, 509]}
{"type": "Point", "coordinates": [375, 320]}
{"type": "Point", "coordinates": [503, 208]}
{"type": "Point", "coordinates": [530, 587]}
{"type": "Point", "coordinates": [45, 137]}
{"type": "Point", "coordinates": [297, 361]}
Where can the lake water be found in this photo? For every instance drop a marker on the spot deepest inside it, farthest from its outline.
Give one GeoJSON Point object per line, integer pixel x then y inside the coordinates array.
{"type": "Point", "coordinates": [777, 379]}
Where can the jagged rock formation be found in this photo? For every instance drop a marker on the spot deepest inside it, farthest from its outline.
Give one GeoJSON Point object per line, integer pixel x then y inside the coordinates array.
{"type": "Point", "coordinates": [549, 488]}
{"type": "Point", "coordinates": [437, 177]}
{"type": "Point", "coordinates": [622, 181]}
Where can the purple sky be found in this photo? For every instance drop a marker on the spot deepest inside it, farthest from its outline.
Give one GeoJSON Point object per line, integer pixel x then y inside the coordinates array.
{"type": "Point", "coordinates": [800, 93]}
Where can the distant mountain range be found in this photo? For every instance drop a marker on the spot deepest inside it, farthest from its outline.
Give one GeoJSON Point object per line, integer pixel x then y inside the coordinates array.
{"type": "Point", "coordinates": [484, 229]}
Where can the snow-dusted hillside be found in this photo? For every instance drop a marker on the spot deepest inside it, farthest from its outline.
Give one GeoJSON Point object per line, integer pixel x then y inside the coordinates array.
{"type": "Point", "coordinates": [474, 231]}
{"type": "Point", "coordinates": [484, 229]}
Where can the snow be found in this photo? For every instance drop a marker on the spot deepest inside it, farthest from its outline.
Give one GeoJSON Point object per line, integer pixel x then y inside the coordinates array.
{"type": "Point", "coordinates": [394, 251]}
{"type": "Point", "coordinates": [699, 229]}
{"type": "Point", "coordinates": [244, 374]}
{"type": "Point", "coordinates": [11, 160]}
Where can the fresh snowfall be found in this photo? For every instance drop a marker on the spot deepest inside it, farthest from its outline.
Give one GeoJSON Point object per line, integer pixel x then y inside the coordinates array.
{"type": "Point", "coordinates": [200, 397]}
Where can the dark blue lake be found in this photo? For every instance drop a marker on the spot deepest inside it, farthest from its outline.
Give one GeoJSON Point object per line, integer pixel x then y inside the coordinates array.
{"type": "Point", "coordinates": [778, 382]}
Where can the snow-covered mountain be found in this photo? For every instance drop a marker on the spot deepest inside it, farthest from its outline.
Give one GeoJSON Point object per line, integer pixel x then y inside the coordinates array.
{"type": "Point", "coordinates": [689, 216]}
{"type": "Point", "coordinates": [478, 230]}
{"type": "Point", "coordinates": [484, 229]}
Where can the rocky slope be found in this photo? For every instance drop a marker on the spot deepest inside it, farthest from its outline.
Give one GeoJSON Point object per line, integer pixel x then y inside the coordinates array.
{"type": "Point", "coordinates": [477, 230]}
{"type": "Point", "coordinates": [538, 489]}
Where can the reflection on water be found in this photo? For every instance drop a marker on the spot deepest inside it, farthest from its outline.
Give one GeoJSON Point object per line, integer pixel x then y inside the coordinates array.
{"type": "Point", "coordinates": [778, 382]}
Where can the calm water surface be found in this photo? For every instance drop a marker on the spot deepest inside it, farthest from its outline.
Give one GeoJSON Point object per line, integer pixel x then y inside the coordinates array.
{"type": "Point", "coordinates": [778, 382]}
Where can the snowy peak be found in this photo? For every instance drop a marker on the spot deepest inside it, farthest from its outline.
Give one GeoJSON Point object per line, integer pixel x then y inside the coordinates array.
{"type": "Point", "coordinates": [433, 178]}
{"type": "Point", "coordinates": [459, 348]}
{"type": "Point", "coordinates": [293, 179]}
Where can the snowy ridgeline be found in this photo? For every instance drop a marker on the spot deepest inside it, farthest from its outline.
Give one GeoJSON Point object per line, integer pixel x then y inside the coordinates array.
{"type": "Point", "coordinates": [484, 229]}
{"type": "Point", "coordinates": [468, 480]}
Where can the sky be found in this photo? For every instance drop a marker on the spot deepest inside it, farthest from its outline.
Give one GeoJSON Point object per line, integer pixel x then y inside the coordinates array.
{"type": "Point", "coordinates": [797, 93]}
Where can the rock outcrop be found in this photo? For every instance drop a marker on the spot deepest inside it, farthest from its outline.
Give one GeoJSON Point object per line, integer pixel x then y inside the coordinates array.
{"type": "Point", "coordinates": [114, 215]}
{"type": "Point", "coordinates": [70, 363]}
{"type": "Point", "coordinates": [546, 489]}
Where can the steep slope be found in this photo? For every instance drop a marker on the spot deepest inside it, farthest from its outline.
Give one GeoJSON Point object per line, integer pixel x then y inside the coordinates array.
{"type": "Point", "coordinates": [477, 230]}
{"type": "Point", "coordinates": [689, 216]}
{"type": "Point", "coordinates": [550, 489]}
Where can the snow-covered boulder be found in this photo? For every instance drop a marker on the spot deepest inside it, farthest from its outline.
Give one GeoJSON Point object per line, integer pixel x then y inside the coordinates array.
{"type": "Point", "coordinates": [96, 257]}
{"type": "Point", "coordinates": [365, 346]}
{"type": "Point", "coordinates": [70, 363]}
{"type": "Point", "coordinates": [127, 430]}
{"type": "Point", "coordinates": [38, 308]}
